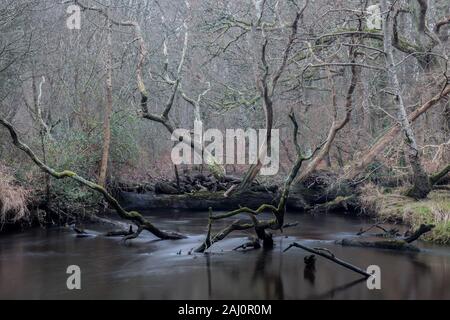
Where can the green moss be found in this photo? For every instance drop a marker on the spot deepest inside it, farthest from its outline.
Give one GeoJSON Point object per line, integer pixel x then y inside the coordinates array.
{"type": "Point", "coordinates": [421, 209]}
{"type": "Point", "coordinates": [68, 174]}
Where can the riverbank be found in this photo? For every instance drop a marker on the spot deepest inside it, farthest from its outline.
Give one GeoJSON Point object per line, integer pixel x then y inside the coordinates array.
{"type": "Point", "coordinates": [390, 205]}
{"type": "Point", "coordinates": [317, 195]}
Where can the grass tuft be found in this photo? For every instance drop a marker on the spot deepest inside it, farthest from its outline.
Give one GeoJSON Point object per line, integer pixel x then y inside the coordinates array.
{"type": "Point", "coordinates": [390, 205]}
{"type": "Point", "coordinates": [14, 199]}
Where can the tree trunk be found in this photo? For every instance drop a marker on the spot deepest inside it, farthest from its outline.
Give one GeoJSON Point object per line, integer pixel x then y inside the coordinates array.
{"type": "Point", "coordinates": [368, 156]}
{"type": "Point", "coordinates": [108, 112]}
{"type": "Point", "coordinates": [421, 185]}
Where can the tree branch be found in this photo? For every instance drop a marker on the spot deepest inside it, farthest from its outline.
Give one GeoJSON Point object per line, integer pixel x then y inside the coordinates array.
{"type": "Point", "coordinates": [134, 216]}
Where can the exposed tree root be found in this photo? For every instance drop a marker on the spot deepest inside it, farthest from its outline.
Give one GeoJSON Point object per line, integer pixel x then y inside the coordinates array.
{"type": "Point", "coordinates": [133, 216]}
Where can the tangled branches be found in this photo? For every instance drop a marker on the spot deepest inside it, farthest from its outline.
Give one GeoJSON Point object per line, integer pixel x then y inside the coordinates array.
{"type": "Point", "coordinates": [261, 227]}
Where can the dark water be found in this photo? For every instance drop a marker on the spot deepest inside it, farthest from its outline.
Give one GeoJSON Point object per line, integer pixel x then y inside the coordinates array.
{"type": "Point", "coordinates": [33, 265]}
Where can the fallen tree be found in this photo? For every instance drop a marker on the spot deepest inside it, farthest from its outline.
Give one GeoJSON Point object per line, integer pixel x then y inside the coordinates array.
{"type": "Point", "coordinates": [141, 222]}
{"type": "Point", "coordinates": [260, 226]}
{"type": "Point", "coordinates": [366, 157]}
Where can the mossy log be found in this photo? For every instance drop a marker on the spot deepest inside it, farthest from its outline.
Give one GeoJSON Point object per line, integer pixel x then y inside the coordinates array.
{"type": "Point", "coordinates": [379, 244]}
{"type": "Point", "coordinates": [200, 201]}
{"type": "Point", "coordinates": [401, 244]}
{"type": "Point", "coordinates": [340, 203]}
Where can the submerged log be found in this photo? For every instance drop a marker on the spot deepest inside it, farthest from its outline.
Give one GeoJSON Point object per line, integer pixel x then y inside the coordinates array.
{"type": "Point", "coordinates": [120, 233]}
{"type": "Point", "coordinates": [401, 244]}
{"type": "Point", "coordinates": [391, 244]}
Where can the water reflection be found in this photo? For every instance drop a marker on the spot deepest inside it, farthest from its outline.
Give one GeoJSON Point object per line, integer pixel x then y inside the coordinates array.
{"type": "Point", "coordinates": [33, 265]}
{"type": "Point", "coordinates": [332, 293]}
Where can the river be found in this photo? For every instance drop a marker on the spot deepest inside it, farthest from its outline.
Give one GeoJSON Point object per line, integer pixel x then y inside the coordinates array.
{"type": "Point", "coordinates": [33, 265]}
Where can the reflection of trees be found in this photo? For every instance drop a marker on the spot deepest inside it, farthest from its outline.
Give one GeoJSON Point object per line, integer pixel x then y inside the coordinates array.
{"type": "Point", "coordinates": [272, 280]}
{"type": "Point", "coordinates": [330, 294]}
{"type": "Point", "coordinates": [263, 273]}
{"type": "Point", "coordinates": [267, 275]}
{"type": "Point", "coordinates": [309, 273]}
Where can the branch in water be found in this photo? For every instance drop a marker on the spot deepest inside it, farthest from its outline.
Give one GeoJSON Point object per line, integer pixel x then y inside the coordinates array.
{"type": "Point", "coordinates": [328, 255]}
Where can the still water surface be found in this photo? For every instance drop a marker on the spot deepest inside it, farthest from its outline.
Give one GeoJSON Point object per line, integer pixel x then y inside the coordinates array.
{"type": "Point", "coordinates": [33, 265]}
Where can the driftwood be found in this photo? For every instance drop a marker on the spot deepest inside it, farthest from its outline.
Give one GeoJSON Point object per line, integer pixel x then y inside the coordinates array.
{"type": "Point", "coordinates": [253, 243]}
{"type": "Point", "coordinates": [387, 233]}
{"type": "Point", "coordinates": [120, 233]}
{"type": "Point", "coordinates": [398, 243]}
{"type": "Point", "coordinates": [330, 256]}
{"type": "Point", "coordinates": [379, 244]}
{"type": "Point", "coordinates": [194, 183]}
{"type": "Point", "coordinates": [340, 203]}
{"type": "Point", "coordinates": [80, 232]}
{"type": "Point", "coordinates": [424, 228]}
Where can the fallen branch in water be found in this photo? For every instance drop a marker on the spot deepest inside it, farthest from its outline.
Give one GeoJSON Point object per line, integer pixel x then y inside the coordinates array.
{"type": "Point", "coordinates": [120, 233]}
{"type": "Point", "coordinates": [424, 228]}
{"type": "Point", "coordinates": [253, 243]}
{"type": "Point", "coordinates": [325, 253]}
{"type": "Point", "coordinates": [398, 243]}
{"type": "Point", "coordinates": [133, 216]}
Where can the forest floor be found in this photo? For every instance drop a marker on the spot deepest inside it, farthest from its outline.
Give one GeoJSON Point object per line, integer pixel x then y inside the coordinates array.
{"type": "Point", "coordinates": [391, 205]}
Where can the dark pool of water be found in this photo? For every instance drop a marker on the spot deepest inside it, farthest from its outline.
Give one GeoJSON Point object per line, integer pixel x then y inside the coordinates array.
{"type": "Point", "coordinates": [33, 265]}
